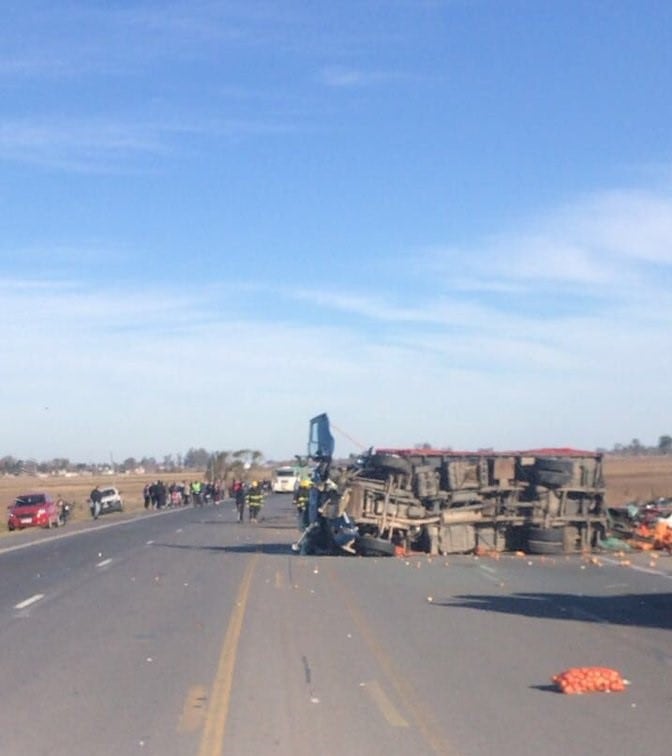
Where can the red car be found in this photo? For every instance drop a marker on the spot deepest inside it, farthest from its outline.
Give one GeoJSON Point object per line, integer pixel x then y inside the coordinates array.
{"type": "Point", "coordinates": [33, 510]}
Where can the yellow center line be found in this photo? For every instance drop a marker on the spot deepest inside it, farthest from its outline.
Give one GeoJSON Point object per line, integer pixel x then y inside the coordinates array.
{"type": "Point", "coordinates": [382, 701]}
{"type": "Point", "coordinates": [212, 741]}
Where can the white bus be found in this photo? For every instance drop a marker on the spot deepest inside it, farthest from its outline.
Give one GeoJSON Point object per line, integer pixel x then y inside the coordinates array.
{"type": "Point", "coordinates": [285, 479]}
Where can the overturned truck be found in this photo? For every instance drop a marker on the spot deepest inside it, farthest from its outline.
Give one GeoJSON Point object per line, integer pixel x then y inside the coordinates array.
{"type": "Point", "coordinates": [542, 501]}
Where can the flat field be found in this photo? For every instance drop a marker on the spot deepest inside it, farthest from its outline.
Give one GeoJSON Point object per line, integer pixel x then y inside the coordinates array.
{"type": "Point", "coordinates": [76, 490]}
{"type": "Point", "coordinates": [637, 478]}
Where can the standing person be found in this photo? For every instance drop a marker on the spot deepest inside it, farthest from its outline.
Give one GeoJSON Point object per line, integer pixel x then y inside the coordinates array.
{"type": "Point", "coordinates": [240, 497]}
{"type": "Point", "coordinates": [161, 494]}
{"type": "Point", "coordinates": [255, 498]}
{"type": "Point", "coordinates": [186, 492]}
{"type": "Point", "coordinates": [301, 497]}
{"type": "Point", "coordinates": [63, 509]}
{"type": "Point", "coordinates": [154, 494]}
{"type": "Point", "coordinates": [146, 495]}
{"type": "Point", "coordinates": [95, 498]}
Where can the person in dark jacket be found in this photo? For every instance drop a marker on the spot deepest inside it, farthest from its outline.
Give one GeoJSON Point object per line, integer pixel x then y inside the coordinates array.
{"type": "Point", "coordinates": [240, 498]}
{"type": "Point", "coordinates": [95, 497]}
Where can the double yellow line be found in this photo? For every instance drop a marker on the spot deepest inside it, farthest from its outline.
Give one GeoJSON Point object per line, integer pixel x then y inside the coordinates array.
{"type": "Point", "coordinates": [212, 741]}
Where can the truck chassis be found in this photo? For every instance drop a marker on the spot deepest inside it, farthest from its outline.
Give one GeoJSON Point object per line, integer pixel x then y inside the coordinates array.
{"type": "Point", "coordinates": [544, 501]}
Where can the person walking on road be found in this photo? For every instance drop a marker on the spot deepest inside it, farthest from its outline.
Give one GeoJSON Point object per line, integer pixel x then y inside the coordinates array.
{"type": "Point", "coordinates": [301, 496]}
{"type": "Point", "coordinates": [95, 497]}
{"type": "Point", "coordinates": [255, 498]}
{"type": "Point", "coordinates": [240, 497]}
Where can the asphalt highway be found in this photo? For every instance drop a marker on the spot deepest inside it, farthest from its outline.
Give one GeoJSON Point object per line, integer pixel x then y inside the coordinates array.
{"type": "Point", "coordinates": [187, 633]}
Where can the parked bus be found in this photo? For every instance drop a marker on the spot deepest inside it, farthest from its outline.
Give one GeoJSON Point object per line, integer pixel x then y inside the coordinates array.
{"type": "Point", "coordinates": [285, 479]}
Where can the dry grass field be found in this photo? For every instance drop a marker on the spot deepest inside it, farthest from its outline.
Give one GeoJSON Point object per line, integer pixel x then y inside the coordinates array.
{"type": "Point", "coordinates": [627, 479]}
{"type": "Point", "coordinates": [637, 478]}
{"type": "Point", "coordinates": [76, 490]}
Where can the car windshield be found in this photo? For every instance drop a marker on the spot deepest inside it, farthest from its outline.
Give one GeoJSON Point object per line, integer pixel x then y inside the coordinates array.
{"type": "Point", "coordinates": [108, 492]}
{"type": "Point", "coordinates": [286, 473]}
{"type": "Point", "coordinates": [29, 500]}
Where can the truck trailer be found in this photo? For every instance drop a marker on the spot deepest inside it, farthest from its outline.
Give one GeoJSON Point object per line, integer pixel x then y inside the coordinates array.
{"type": "Point", "coordinates": [541, 501]}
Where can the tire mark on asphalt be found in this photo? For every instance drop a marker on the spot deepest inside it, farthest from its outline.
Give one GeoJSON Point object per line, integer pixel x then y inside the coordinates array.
{"type": "Point", "coordinates": [193, 712]}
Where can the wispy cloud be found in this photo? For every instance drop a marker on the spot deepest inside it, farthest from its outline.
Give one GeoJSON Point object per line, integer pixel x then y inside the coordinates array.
{"type": "Point", "coordinates": [612, 245]}
{"type": "Point", "coordinates": [83, 145]}
{"type": "Point", "coordinates": [343, 77]}
{"type": "Point", "coordinates": [113, 145]}
{"type": "Point", "coordinates": [455, 363]}
{"type": "Point", "coordinates": [565, 294]}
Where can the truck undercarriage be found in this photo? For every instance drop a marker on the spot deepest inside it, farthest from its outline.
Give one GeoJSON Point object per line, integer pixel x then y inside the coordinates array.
{"type": "Point", "coordinates": [543, 501]}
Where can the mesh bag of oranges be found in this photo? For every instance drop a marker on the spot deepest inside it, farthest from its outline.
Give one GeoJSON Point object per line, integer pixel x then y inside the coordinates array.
{"type": "Point", "coordinates": [589, 680]}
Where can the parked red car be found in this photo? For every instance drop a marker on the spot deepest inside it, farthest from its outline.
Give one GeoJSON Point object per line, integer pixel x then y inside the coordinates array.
{"type": "Point", "coordinates": [33, 510]}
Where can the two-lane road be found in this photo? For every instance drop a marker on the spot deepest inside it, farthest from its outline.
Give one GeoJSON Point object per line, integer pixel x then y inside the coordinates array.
{"type": "Point", "coordinates": [189, 633]}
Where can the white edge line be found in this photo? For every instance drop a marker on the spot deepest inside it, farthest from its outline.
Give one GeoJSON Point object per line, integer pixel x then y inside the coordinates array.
{"type": "Point", "coordinates": [95, 529]}
{"type": "Point", "coordinates": [104, 563]}
{"type": "Point", "coordinates": [29, 601]}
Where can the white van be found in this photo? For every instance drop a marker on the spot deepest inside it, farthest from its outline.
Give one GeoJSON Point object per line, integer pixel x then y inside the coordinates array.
{"type": "Point", "coordinates": [285, 480]}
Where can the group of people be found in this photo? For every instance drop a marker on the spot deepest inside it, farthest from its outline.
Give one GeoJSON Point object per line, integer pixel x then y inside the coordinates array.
{"type": "Point", "coordinates": [158, 495]}
{"type": "Point", "coordinates": [250, 495]}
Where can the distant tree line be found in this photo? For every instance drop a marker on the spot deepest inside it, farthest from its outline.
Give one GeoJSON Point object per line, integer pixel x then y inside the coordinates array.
{"type": "Point", "coordinates": [216, 465]}
{"type": "Point", "coordinates": [636, 448]}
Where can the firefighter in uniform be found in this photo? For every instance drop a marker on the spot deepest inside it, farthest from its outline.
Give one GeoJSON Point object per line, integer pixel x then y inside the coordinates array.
{"type": "Point", "coordinates": [301, 496]}
{"type": "Point", "coordinates": [255, 498]}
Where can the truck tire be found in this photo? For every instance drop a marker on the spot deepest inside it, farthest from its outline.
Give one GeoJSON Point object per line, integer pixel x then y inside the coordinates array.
{"type": "Point", "coordinates": [368, 545]}
{"type": "Point", "coordinates": [390, 462]}
{"type": "Point", "coordinates": [551, 478]}
{"type": "Point", "coordinates": [554, 465]}
{"type": "Point", "coordinates": [546, 540]}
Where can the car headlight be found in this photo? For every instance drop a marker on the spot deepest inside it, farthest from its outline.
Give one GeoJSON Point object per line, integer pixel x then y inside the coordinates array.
{"type": "Point", "coordinates": [41, 512]}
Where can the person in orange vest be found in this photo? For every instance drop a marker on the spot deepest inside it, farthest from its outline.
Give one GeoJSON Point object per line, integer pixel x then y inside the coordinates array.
{"type": "Point", "coordinates": [301, 497]}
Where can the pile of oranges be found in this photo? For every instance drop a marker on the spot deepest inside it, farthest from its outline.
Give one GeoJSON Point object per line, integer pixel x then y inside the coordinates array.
{"type": "Point", "coordinates": [590, 680]}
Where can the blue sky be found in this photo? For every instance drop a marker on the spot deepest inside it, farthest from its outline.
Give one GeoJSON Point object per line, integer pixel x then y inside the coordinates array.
{"type": "Point", "coordinates": [438, 221]}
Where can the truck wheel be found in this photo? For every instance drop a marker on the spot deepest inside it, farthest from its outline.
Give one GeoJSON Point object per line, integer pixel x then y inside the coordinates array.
{"type": "Point", "coordinates": [546, 541]}
{"type": "Point", "coordinates": [368, 545]}
{"type": "Point", "coordinates": [390, 462]}
{"type": "Point", "coordinates": [554, 465]}
{"type": "Point", "coordinates": [551, 478]}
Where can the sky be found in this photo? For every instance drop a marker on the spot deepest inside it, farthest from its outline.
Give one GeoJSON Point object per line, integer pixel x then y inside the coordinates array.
{"type": "Point", "coordinates": [439, 221]}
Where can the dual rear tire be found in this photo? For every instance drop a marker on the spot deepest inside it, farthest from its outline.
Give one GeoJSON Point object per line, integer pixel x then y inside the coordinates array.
{"type": "Point", "coordinates": [546, 541]}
